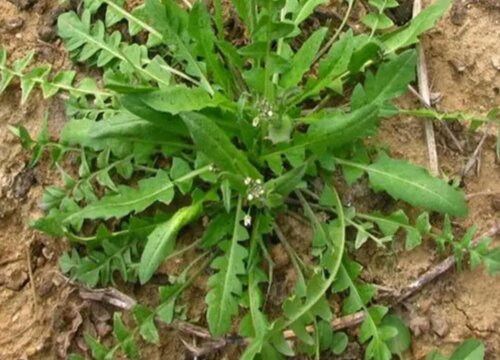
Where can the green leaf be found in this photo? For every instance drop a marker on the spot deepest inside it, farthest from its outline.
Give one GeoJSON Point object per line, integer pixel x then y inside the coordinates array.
{"type": "Point", "coordinates": [214, 143]}
{"type": "Point", "coordinates": [225, 286]}
{"type": "Point", "coordinates": [421, 23]}
{"type": "Point", "coordinates": [332, 67]}
{"type": "Point", "coordinates": [161, 242]}
{"type": "Point", "coordinates": [226, 194]}
{"type": "Point", "coordinates": [331, 131]}
{"type": "Point", "coordinates": [414, 185]}
{"type": "Point", "coordinates": [28, 80]}
{"type": "Point", "coordinates": [401, 342]}
{"type": "Point", "coordinates": [179, 169]}
{"type": "Point", "coordinates": [390, 224]}
{"type": "Point", "coordinates": [147, 327]}
{"type": "Point", "coordinates": [306, 10]}
{"type": "Point", "coordinates": [287, 182]}
{"type": "Point", "coordinates": [303, 59]}
{"type": "Point", "coordinates": [124, 125]}
{"type": "Point", "coordinates": [470, 350]}
{"type": "Point", "coordinates": [377, 21]}
{"type": "Point", "coordinates": [338, 129]}
{"type": "Point", "coordinates": [217, 229]}
{"type": "Point", "coordinates": [5, 75]}
{"type": "Point", "coordinates": [124, 337]}
{"type": "Point", "coordinates": [436, 355]}
{"type": "Point", "coordinates": [377, 349]}
{"type": "Point", "coordinates": [340, 342]}
{"type": "Point", "coordinates": [98, 350]}
{"type": "Point", "coordinates": [492, 262]}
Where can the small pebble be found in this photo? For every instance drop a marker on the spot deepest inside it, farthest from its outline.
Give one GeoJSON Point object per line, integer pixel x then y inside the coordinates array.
{"type": "Point", "coordinates": [419, 325]}
{"type": "Point", "coordinates": [439, 325]}
{"type": "Point", "coordinates": [495, 203]}
{"type": "Point", "coordinates": [16, 279]}
{"type": "Point", "coordinates": [496, 62]}
{"type": "Point", "coordinates": [46, 33]}
{"type": "Point", "coordinates": [458, 65]}
{"type": "Point", "coordinates": [14, 24]}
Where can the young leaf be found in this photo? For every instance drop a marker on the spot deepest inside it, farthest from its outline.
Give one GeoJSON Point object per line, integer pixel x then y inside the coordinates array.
{"type": "Point", "coordinates": [161, 242]}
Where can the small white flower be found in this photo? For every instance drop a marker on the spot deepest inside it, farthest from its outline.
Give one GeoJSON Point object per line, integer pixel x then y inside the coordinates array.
{"type": "Point", "coordinates": [248, 181]}
{"type": "Point", "coordinates": [250, 197]}
{"type": "Point", "coordinates": [261, 192]}
{"type": "Point", "coordinates": [211, 168]}
{"type": "Point", "coordinates": [258, 181]}
{"type": "Point", "coordinates": [270, 113]}
{"type": "Point", "coordinates": [255, 121]}
{"type": "Point", "coordinates": [247, 220]}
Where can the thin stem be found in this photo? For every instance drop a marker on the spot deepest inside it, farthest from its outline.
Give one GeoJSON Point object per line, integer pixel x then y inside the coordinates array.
{"type": "Point", "coordinates": [67, 88]}
{"type": "Point", "coordinates": [330, 42]}
{"type": "Point", "coordinates": [294, 257]}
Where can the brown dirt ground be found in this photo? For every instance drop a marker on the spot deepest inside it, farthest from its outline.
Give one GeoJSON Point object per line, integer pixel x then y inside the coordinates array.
{"type": "Point", "coordinates": [43, 321]}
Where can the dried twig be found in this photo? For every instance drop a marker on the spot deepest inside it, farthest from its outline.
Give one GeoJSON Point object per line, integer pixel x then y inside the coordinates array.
{"type": "Point", "coordinates": [32, 279]}
{"type": "Point", "coordinates": [108, 295]}
{"type": "Point", "coordinates": [475, 156]}
{"type": "Point", "coordinates": [481, 193]}
{"type": "Point", "coordinates": [438, 270]}
{"type": "Point", "coordinates": [188, 4]}
{"type": "Point", "coordinates": [423, 86]}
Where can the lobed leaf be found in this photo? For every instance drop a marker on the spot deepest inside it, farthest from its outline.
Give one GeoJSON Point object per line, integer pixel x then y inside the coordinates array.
{"type": "Point", "coordinates": [225, 286]}
{"type": "Point", "coordinates": [129, 200]}
{"type": "Point", "coordinates": [414, 185]}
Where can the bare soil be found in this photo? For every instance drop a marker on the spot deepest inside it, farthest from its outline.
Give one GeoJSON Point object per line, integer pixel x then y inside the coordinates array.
{"type": "Point", "coordinates": [42, 317]}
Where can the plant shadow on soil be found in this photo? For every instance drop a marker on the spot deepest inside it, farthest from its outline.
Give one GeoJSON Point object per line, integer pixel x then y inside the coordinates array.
{"type": "Point", "coordinates": [47, 321]}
